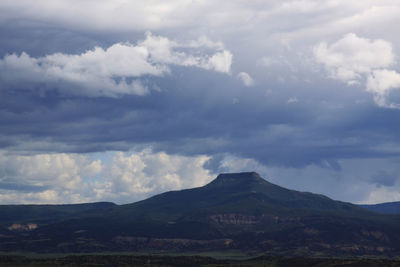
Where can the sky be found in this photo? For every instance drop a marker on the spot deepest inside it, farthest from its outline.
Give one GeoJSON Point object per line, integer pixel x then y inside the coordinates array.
{"type": "Point", "coordinates": [121, 100]}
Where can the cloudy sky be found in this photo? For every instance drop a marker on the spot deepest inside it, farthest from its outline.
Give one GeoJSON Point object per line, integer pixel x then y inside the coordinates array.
{"type": "Point", "coordinates": [120, 100]}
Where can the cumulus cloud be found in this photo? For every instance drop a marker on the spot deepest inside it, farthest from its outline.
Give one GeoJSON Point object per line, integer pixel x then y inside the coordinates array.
{"type": "Point", "coordinates": [48, 169]}
{"type": "Point", "coordinates": [47, 178]}
{"type": "Point", "coordinates": [246, 79]}
{"type": "Point", "coordinates": [113, 71]}
{"type": "Point", "coordinates": [380, 83]}
{"type": "Point", "coordinates": [72, 178]}
{"type": "Point", "coordinates": [220, 61]}
{"type": "Point", "coordinates": [91, 73]}
{"type": "Point", "coordinates": [136, 175]}
{"type": "Point", "coordinates": [350, 57]}
{"type": "Point", "coordinates": [353, 60]}
{"type": "Point", "coordinates": [165, 51]}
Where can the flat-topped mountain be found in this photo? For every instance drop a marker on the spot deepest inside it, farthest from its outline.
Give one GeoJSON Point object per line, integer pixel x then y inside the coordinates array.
{"type": "Point", "coordinates": [246, 192]}
{"type": "Point", "coordinates": [239, 211]}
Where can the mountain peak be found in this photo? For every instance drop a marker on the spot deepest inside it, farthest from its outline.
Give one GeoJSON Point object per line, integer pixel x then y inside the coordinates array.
{"type": "Point", "coordinates": [239, 175]}
{"type": "Point", "coordinates": [227, 179]}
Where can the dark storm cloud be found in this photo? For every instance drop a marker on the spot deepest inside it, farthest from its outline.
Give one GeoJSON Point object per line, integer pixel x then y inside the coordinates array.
{"type": "Point", "coordinates": [200, 112]}
{"type": "Point", "coordinates": [384, 178]}
{"type": "Point", "coordinates": [40, 39]}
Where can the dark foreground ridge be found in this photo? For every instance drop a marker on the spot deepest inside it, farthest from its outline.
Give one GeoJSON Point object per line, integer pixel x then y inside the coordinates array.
{"type": "Point", "coordinates": [235, 212]}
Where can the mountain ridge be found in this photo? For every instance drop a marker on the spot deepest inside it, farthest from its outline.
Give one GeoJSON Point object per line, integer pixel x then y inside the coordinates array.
{"type": "Point", "coordinates": [386, 207]}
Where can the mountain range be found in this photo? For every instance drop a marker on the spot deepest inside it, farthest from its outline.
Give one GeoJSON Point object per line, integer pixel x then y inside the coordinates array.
{"type": "Point", "coordinates": [387, 208]}
{"type": "Point", "coordinates": [236, 211]}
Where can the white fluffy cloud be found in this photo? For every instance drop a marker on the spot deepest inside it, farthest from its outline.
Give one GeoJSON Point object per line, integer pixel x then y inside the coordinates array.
{"type": "Point", "coordinates": [164, 51]}
{"type": "Point", "coordinates": [72, 178]}
{"type": "Point", "coordinates": [220, 61]}
{"type": "Point", "coordinates": [113, 71]}
{"type": "Point", "coordinates": [352, 56]}
{"type": "Point", "coordinates": [63, 170]}
{"type": "Point", "coordinates": [246, 78]}
{"type": "Point", "coordinates": [134, 176]}
{"type": "Point", "coordinates": [45, 178]}
{"type": "Point", "coordinates": [356, 60]}
{"type": "Point", "coordinates": [91, 73]}
{"type": "Point", "coordinates": [380, 83]}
